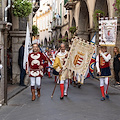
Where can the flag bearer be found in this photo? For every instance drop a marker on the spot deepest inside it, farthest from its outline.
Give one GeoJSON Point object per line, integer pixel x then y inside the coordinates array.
{"type": "Point", "coordinates": [58, 65]}
{"type": "Point", "coordinates": [103, 69]}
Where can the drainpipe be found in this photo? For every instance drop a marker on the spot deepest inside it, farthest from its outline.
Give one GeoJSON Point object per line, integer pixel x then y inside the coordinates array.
{"type": "Point", "coordinates": [6, 9]}
{"type": "Point", "coordinates": [5, 53]}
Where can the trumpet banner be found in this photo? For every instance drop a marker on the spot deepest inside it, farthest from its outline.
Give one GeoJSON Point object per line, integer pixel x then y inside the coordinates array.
{"type": "Point", "coordinates": [79, 57]}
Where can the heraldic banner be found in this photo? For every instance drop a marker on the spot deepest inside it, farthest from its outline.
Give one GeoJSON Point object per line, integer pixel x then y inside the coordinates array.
{"type": "Point", "coordinates": [79, 57]}
{"type": "Point", "coordinates": [107, 31]}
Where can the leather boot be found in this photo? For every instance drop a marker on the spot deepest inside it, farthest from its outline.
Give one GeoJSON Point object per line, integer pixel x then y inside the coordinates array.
{"type": "Point", "coordinates": [38, 92]}
{"type": "Point", "coordinates": [33, 94]}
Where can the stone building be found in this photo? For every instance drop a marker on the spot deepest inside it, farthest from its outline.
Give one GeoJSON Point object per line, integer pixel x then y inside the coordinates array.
{"type": "Point", "coordinates": [52, 21]}
{"type": "Point", "coordinates": [2, 29]}
{"type": "Point", "coordinates": [81, 16]}
{"type": "Point", "coordinates": [42, 20]}
{"type": "Point", "coordinates": [79, 13]}
{"type": "Point", "coordinates": [61, 24]}
{"type": "Point", "coordinates": [12, 34]}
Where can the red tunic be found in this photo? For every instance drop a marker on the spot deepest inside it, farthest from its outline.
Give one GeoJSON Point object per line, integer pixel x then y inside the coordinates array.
{"type": "Point", "coordinates": [35, 60]}
{"type": "Point", "coordinates": [104, 64]}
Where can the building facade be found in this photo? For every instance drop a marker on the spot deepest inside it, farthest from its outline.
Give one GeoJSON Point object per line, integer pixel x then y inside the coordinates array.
{"type": "Point", "coordinates": [81, 16]}
{"type": "Point", "coordinates": [78, 13]}
{"type": "Point", "coordinates": [12, 34]}
{"type": "Point", "coordinates": [2, 28]}
{"type": "Point", "coordinates": [42, 20]}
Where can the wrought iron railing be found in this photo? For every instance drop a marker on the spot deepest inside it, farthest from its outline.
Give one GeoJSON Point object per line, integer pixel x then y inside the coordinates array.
{"type": "Point", "coordinates": [56, 22]}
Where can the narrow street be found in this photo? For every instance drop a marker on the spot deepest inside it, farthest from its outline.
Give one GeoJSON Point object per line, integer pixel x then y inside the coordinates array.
{"type": "Point", "coordinates": [81, 104]}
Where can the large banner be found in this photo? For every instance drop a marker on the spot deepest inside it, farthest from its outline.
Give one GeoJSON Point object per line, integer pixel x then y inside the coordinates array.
{"type": "Point", "coordinates": [107, 31]}
{"type": "Point", "coordinates": [79, 57]}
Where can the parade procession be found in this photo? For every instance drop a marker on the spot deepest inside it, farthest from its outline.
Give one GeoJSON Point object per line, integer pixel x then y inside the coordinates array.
{"type": "Point", "coordinates": [59, 59]}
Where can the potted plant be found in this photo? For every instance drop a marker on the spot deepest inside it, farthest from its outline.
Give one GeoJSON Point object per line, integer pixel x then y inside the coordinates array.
{"type": "Point", "coordinates": [116, 6]}
{"type": "Point", "coordinates": [59, 40]}
{"type": "Point", "coordinates": [22, 8]}
{"type": "Point", "coordinates": [41, 45]}
{"type": "Point", "coordinates": [34, 30]}
{"type": "Point", "coordinates": [97, 14]}
{"type": "Point", "coordinates": [52, 41]}
{"type": "Point", "coordinates": [65, 39]}
{"type": "Point", "coordinates": [72, 29]}
{"type": "Point", "coordinates": [54, 18]}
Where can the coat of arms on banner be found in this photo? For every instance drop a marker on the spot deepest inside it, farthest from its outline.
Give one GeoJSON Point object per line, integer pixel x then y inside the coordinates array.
{"type": "Point", "coordinates": [108, 31]}
{"type": "Point", "coordinates": [79, 57]}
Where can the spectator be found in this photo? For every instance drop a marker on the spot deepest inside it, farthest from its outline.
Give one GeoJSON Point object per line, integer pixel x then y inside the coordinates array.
{"type": "Point", "coordinates": [116, 64]}
{"type": "Point", "coordinates": [20, 63]}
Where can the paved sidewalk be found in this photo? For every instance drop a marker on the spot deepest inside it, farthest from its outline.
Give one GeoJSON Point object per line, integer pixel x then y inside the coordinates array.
{"type": "Point", "coordinates": [14, 90]}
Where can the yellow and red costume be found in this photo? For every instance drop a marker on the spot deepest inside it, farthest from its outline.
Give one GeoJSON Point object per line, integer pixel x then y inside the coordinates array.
{"type": "Point", "coordinates": [58, 64]}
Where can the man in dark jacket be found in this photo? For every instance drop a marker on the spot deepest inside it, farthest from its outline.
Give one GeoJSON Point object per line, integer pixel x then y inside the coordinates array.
{"type": "Point", "coordinates": [20, 63]}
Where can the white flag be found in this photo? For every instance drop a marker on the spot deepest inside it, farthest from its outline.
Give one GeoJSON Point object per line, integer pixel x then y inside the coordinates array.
{"type": "Point", "coordinates": [27, 46]}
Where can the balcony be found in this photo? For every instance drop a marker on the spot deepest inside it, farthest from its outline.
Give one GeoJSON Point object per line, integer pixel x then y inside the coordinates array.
{"type": "Point", "coordinates": [69, 4]}
{"type": "Point", "coordinates": [56, 24]}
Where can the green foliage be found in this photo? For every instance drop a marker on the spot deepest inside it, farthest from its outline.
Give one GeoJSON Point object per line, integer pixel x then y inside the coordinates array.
{"type": "Point", "coordinates": [34, 30]}
{"type": "Point", "coordinates": [72, 29]}
{"type": "Point", "coordinates": [51, 42]}
{"type": "Point", "coordinates": [96, 15]}
{"type": "Point", "coordinates": [54, 18]}
{"type": "Point", "coordinates": [116, 6]}
{"type": "Point", "coordinates": [64, 39]}
{"type": "Point", "coordinates": [41, 45]}
{"type": "Point", "coordinates": [59, 40]}
{"type": "Point", "coordinates": [22, 8]}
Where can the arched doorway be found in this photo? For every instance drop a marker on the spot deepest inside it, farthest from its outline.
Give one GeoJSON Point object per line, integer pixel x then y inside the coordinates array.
{"type": "Point", "coordinates": [45, 42]}
{"type": "Point", "coordinates": [83, 23]}
{"type": "Point", "coordinates": [66, 35]}
{"type": "Point", "coordinates": [73, 22]}
{"type": "Point", "coordinates": [102, 5]}
{"type": "Point", "coordinates": [60, 36]}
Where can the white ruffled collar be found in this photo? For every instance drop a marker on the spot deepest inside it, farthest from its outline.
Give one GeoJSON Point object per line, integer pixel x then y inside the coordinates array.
{"type": "Point", "coordinates": [62, 53]}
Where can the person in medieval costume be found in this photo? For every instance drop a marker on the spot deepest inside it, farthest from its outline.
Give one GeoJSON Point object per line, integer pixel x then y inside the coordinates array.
{"type": "Point", "coordinates": [34, 68]}
{"type": "Point", "coordinates": [103, 70]}
{"type": "Point", "coordinates": [54, 56]}
{"type": "Point", "coordinates": [49, 56]}
{"type": "Point", "coordinates": [63, 75]}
